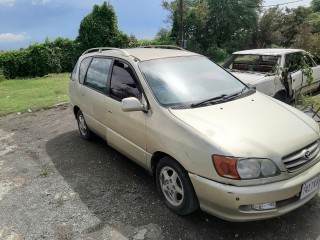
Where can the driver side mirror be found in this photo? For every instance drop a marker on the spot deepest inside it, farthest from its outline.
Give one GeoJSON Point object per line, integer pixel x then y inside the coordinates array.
{"type": "Point", "coordinates": [131, 104]}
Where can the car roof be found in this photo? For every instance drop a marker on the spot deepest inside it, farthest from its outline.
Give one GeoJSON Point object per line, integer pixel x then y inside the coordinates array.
{"type": "Point", "coordinates": [269, 51]}
{"type": "Point", "coordinates": [144, 54]}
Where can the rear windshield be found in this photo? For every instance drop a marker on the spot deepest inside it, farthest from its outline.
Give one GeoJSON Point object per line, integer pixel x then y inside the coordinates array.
{"type": "Point", "coordinates": [255, 63]}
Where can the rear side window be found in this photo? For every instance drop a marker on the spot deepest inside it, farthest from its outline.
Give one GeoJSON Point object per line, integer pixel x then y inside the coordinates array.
{"type": "Point", "coordinates": [123, 82]}
{"type": "Point", "coordinates": [97, 75]}
{"type": "Point", "coordinates": [73, 75]}
{"type": "Point", "coordinates": [83, 68]}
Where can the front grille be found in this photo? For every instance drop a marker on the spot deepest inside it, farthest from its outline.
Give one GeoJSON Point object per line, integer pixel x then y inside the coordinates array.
{"type": "Point", "coordinates": [298, 159]}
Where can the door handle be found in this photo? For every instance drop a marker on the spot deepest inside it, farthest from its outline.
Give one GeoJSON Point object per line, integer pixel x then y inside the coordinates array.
{"type": "Point", "coordinates": [109, 110]}
{"type": "Point", "coordinates": [83, 94]}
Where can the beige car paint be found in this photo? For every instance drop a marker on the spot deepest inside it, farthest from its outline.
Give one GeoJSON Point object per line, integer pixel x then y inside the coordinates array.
{"type": "Point", "coordinates": [192, 136]}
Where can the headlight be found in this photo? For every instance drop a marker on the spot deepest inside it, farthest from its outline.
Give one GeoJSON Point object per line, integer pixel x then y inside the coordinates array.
{"type": "Point", "coordinates": [249, 168]}
{"type": "Point", "coordinates": [244, 168]}
{"type": "Point", "coordinates": [256, 168]}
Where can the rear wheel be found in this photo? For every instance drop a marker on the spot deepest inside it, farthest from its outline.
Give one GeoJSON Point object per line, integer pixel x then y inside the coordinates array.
{"type": "Point", "coordinates": [85, 132]}
{"type": "Point", "coordinates": [175, 187]}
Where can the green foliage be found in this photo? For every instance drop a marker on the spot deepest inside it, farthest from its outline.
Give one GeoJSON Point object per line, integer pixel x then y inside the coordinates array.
{"type": "Point", "coordinates": [215, 27]}
{"type": "Point", "coordinates": [217, 54]}
{"type": "Point", "coordinates": [269, 28]}
{"type": "Point", "coordinates": [315, 5]}
{"type": "Point", "coordinates": [68, 52]}
{"type": "Point", "coordinates": [35, 61]}
{"type": "Point", "coordinates": [40, 59]}
{"type": "Point", "coordinates": [145, 42]}
{"type": "Point", "coordinates": [100, 28]}
{"type": "Point", "coordinates": [291, 20]}
{"type": "Point", "coordinates": [305, 35]}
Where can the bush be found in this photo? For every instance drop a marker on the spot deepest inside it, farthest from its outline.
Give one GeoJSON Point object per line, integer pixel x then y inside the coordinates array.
{"type": "Point", "coordinates": [217, 54]}
{"type": "Point", "coordinates": [40, 59]}
{"type": "Point", "coordinates": [68, 52]}
{"type": "Point", "coordinates": [15, 63]}
{"type": "Point", "coordinates": [35, 61]}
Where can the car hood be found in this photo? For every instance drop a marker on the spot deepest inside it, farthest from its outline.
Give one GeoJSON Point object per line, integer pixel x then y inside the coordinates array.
{"type": "Point", "coordinates": [252, 126]}
{"type": "Point", "coordinates": [248, 78]}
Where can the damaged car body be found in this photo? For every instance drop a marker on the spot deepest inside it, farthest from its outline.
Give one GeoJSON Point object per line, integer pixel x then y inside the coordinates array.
{"type": "Point", "coordinates": [275, 72]}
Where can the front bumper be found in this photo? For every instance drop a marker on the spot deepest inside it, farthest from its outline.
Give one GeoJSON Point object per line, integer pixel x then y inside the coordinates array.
{"type": "Point", "coordinates": [233, 203]}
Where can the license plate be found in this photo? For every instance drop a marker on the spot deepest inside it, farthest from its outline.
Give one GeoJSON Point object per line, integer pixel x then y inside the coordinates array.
{"type": "Point", "coordinates": [310, 187]}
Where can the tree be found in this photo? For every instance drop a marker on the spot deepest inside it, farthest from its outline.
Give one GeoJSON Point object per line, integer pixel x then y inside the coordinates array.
{"type": "Point", "coordinates": [213, 26]}
{"type": "Point", "coordinates": [305, 35]}
{"type": "Point", "coordinates": [269, 28]}
{"type": "Point", "coordinates": [315, 5]}
{"type": "Point", "coordinates": [100, 28]}
{"type": "Point", "coordinates": [292, 19]}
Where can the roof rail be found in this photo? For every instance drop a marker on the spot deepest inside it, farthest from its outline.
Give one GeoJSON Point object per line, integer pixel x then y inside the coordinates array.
{"type": "Point", "coordinates": [100, 49]}
{"type": "Point", "coordinates": [163, 46]}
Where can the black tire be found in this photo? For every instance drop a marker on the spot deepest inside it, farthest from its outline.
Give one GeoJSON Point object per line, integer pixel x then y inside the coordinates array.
{"type": "Point", "coordinates": [85, 132]}
{"type": "Point", "coordinates": [170, 189]}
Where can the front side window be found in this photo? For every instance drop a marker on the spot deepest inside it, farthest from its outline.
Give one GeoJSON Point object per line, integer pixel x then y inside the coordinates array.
{"type": "Point", "coordinates": [83, 69]}
{"type": "Point", "coordinates": [97, 75]}
{"type": "Point", "coordinates": [123, 82]}
{"type": "Point", "coordinates": [188, 80]}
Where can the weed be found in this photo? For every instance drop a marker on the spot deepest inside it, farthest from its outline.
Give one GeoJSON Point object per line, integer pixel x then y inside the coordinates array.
{"type": "Point", "coordinates": [43, 171]}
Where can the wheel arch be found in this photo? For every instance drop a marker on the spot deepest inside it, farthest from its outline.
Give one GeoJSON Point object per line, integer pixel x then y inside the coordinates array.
{"type": "Point", "coordinates": [281, 95]}
{"type": "Point", "coordinates": [156, 157]}
{"type": "Point", "coordinates": [76, 109]}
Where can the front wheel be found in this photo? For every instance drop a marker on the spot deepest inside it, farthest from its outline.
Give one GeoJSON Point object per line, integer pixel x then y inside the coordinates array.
{"type": "Point", "coordinates": [85, 132]}
{"type": "Point", "coordinates": [175, 187]}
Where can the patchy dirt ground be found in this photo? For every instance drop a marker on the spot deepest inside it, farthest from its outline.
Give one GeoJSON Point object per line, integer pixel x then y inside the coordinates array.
{"type": "Point", "coordinates": [54, 185]}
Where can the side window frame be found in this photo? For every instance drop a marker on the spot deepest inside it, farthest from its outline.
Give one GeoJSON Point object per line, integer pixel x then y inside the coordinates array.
{"type": "Point", "coordinates": [108, 78]}
{"type": "Point", "coordinates": [135, 79]}
{"type": "Point", "coordinates": [85, 75]}
{"type": "Point", "coordinates": [73, 76]}
{"type": "Point", "coordinates": [310, 60]}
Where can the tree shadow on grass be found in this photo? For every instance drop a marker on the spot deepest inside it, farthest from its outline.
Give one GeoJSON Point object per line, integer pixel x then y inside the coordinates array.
{"type": "Point", "coordinates": [116, 189]}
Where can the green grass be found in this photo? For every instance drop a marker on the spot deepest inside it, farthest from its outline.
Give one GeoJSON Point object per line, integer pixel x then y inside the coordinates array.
{"type": "Point", "coordinates": [36, 93]}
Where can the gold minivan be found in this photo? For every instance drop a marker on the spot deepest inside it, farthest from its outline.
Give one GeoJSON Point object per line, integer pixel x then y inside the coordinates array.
{"type": "Point", "coordinates": [210, 140]}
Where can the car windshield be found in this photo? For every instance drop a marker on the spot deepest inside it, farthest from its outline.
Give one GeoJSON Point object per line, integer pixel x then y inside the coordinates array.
{"type": "Point", "coordinates": [255, 63]}
{"type": "Point", "coordinates": [188, 80]}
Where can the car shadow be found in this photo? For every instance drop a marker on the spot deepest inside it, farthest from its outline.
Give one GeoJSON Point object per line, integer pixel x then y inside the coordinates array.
{"type": "Point", "coordinates": [115, 189]}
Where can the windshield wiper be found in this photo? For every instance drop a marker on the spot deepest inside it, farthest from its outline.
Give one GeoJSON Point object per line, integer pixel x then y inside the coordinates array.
{"type": "Point", "coordinates": [220, 98]}
{"type": "Point", "coordinates": [211, 100]}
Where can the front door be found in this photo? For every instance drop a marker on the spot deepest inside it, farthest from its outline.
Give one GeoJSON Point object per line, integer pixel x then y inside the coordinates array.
{"type": "Point", "coordinates": [126, 130]}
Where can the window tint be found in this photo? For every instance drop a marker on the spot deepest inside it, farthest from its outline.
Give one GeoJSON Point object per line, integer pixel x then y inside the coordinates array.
{"type": "Point", "coordinates": [123, 83]}
{"type": "Point", "coordinates": [83, 69]}
{"type": "Point", "coordinates": [73, 75]}
{"type": "Point", "coordinates": [97, 75]}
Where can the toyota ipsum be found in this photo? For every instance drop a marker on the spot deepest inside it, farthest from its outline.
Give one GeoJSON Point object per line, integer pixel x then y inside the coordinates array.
{"type": "Point", "coordinates": [210, 141]}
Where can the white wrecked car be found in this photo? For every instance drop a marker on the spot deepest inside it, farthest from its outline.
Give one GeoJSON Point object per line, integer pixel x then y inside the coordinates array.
{"type": "Point", "coordinates": [265, 70]}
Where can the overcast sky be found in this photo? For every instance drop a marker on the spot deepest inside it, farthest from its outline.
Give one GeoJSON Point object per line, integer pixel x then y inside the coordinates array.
{"type": "Point", "coordinates": [24, 22]}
